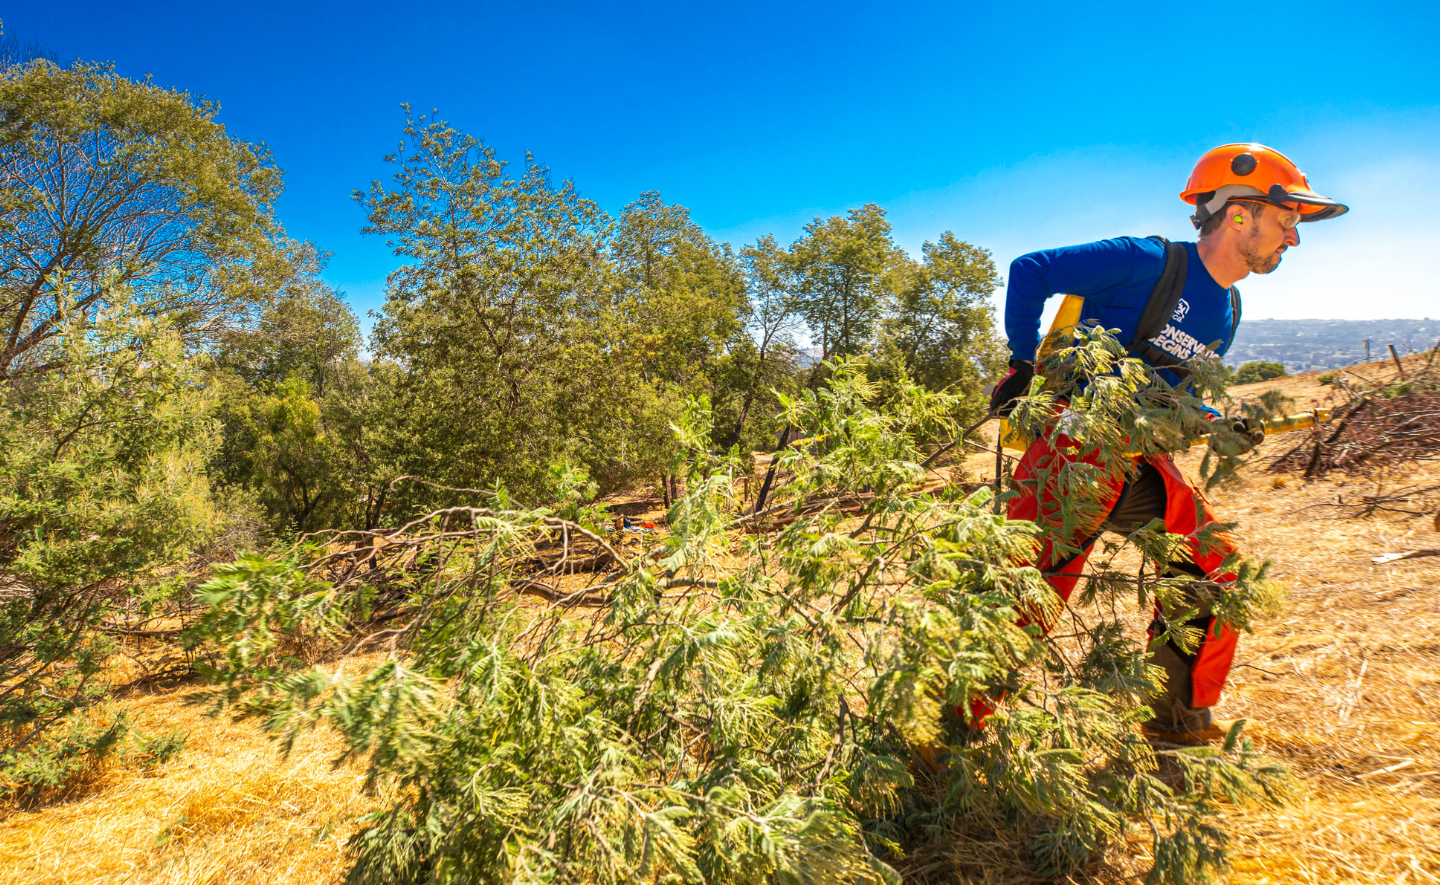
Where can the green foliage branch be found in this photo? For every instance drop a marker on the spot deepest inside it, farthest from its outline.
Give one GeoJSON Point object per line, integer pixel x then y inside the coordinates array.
{"type": "Point", "coordinates": [731, 704]}
{"type": "Point", "coordinates": [1092, 399]}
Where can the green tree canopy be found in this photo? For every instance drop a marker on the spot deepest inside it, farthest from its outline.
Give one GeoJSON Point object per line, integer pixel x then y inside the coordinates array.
{"type": "Point", "coordinates": [507, 318]}
{"type": "Point", "coordinates": [292, 403]}
{"type": "Point", "coordinates": [682, 293]}
{"type": "Point", "coordinates": [841, 278]}
{"type": "Point", "coordinates": [112, 188]}
{"type": "Point", "coordinates": [942, 321]}
{"type": "Point", "coordinates": [307, 330]}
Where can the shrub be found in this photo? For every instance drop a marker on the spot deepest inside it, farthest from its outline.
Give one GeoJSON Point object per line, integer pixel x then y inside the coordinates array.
{"type": "Point", "coordinates": [67, 754]}
{"type": "Point", "coordinates": [1258, 371]}
{"type": "Point", "coordinates": [75, 752]}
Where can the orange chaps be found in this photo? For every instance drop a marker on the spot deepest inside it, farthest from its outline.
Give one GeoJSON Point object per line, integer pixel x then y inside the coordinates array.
{"type": "Point", "coordinates": [1186, 512]}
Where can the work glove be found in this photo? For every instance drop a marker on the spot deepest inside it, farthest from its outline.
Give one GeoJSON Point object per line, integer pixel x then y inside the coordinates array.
{"type": "Point", "coordinates": [1249, 432]}
{"type": "Point", "coordinates": [1250, 428]}
{"type": "Point", "coordinates": [1015, 385]}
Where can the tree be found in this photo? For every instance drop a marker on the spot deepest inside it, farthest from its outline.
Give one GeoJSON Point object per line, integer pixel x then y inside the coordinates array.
{"type": "Point", "coordinates": [682, 294]}
{"type": "Point", "coordinates": [102, 489]}
{"type": "Point", "coordinates": [111, 188]}
{"type": "Point", "coordinates": [504, 321]}
{"type": "Point", "coordinates": [942, 320]}
{"type": "Point", "coordinates": [841, 267]}
{"type": "Point", "coordinates": [289, 385]}
{"type": "Point", "coordinates": [763, 356]}
{"type": "Point", "coordinates": [307, 330]}
{"type": "Point", "coordinates": [939, 328]}
{"type": "Point", "coordinates": [278, 445]}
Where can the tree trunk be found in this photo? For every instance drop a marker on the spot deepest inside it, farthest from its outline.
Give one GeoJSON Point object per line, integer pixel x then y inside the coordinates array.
{"type": "Point", "coordinates": [740, 423]}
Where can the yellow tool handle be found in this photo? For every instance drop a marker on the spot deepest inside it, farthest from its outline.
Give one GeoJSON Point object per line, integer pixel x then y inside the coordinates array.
{"type": "Point", "coordinates": [1065, 320]}
{"type": "Point", "coordinates": [1011, 438]}
{"type": "Point", "coordinates": [1302, 421]}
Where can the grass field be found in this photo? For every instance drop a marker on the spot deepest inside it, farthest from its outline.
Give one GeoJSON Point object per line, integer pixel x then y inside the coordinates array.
{"type": "Point", "coordinates": [1344, 687]}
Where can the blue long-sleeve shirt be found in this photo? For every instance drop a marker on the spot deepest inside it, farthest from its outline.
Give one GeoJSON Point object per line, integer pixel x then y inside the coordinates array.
{"type": "Point", "coordinates": [1116, 278]}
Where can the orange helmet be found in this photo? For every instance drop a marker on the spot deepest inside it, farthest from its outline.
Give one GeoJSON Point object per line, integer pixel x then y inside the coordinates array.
{"type": "Point", "coordinates": [1255, 173]}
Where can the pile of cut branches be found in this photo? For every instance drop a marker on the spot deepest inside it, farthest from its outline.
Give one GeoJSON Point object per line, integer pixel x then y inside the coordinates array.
{"type": "Point", "coordinates": [1382, 424]}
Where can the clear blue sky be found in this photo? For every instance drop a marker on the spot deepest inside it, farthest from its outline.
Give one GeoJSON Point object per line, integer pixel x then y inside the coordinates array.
{"type": "Point", "coordinates": [1016, 126]}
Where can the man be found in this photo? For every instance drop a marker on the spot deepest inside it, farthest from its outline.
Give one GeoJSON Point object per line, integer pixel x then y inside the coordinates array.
{"type": "Point", "coordinates": [1248, 200]}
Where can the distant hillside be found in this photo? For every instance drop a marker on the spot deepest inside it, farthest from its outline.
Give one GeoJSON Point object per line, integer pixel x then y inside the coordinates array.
{"type": "Point", "coordinates": [1303, 345]}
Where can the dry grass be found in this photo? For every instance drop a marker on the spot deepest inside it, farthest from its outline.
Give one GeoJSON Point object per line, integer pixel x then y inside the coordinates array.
{"type": "Point", "coordinates": [1344, 687]}
{"type": "Point", "coordinates": [228, 809]}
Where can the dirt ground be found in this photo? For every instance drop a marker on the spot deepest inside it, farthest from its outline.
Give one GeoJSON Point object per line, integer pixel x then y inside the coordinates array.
{"type": "Point", "coordinates": [1343, 686]}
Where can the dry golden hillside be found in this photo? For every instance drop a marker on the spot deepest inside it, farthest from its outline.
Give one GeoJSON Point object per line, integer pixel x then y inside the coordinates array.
{"type": "Point", "coordinates": [1344, 687]}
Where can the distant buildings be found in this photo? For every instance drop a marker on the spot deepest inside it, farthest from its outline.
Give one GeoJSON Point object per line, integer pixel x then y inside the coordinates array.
{"type": "Point", "coordinates": [1303, 345]}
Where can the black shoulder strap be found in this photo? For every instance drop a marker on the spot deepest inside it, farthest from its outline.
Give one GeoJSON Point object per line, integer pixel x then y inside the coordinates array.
{"type": "Point", "coordinates": [1234, 314]}
{"type": "Point", "coordinates": [1160, 308]}
{"type": "Point", "coordinates": [1165, 297]}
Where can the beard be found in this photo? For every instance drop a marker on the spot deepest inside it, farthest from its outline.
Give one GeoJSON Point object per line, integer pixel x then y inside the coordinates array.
{"type": "Point", "coordinates": [1256, 259]}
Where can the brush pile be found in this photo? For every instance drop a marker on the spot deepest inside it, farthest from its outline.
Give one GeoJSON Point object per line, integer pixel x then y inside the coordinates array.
{"type": "Point", "coordinates": [1383, 423]}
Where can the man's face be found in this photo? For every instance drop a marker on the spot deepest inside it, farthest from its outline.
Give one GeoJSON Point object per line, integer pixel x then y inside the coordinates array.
{"type": "Point", "coordinates": [1267, 237]}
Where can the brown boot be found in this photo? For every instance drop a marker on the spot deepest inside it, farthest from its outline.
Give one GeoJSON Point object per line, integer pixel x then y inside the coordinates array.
{"type": "Point", "coordinates": [1175, 721]}
{"type": "Point", "coordinates": [1200, 729]}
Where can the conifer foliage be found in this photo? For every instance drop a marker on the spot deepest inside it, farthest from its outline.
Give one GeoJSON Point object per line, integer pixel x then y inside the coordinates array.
{"type": "Point", "coordinates": [772, 696]}
{"type": "Point", "coordinates": [102, 496]}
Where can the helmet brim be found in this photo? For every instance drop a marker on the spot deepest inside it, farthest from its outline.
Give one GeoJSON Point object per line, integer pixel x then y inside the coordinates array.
{"type": "Point", "coordinates": [1312, 206]}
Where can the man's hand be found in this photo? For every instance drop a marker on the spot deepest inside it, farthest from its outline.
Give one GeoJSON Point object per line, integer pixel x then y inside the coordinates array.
{"type": "Point", "coordinates": [1015, 385]}
{"type": "Point", "coordinates": [1249, 433]}
{"type": "Point", "coordinates": [1250, 428]}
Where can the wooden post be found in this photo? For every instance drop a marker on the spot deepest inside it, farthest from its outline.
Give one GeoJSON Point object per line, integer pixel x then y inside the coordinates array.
{"type": "Point", "coordinates": [1396, 357]}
